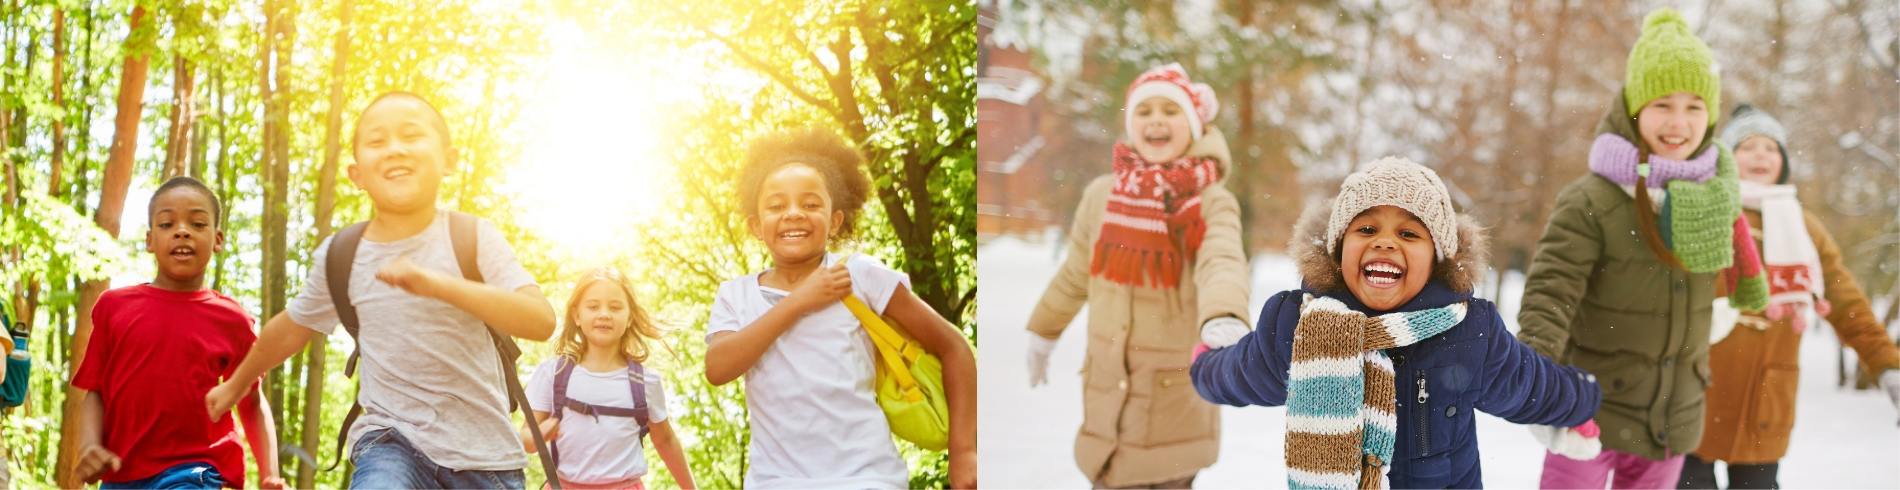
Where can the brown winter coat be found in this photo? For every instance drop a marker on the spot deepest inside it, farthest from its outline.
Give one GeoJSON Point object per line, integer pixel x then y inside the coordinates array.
{"type": "Point", "coordinates": [1751, 404]}
{"type": "Point", "coordinates": [1142, 421]}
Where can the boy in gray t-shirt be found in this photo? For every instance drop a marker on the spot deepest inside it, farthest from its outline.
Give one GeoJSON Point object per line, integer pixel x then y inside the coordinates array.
{"type": "Point", "coordinates": [432, 391]}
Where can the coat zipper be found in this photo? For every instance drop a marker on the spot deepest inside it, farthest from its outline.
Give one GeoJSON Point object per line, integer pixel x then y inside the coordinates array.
{"type": "Point", "coordinates": [1423, 416]}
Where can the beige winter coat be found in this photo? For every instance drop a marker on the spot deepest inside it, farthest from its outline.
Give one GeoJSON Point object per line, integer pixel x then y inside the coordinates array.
{"type": "Point", "coordinates": [1143, 423]}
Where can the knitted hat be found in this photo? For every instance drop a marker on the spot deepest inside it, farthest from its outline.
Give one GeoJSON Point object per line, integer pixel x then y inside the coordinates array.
{"type": "Point", "coordinates": [1170, 82]}
{"type": "Point", "coordinates": [1746, 121]}
{"type": "Point", "coordinates": [1668, 59]}
{"type": "Point", "coordinates": [1395, 181]}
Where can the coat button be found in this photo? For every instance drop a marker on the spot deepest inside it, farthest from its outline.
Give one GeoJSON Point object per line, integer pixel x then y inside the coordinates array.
{"type": "Point", "coordinates": [1167, 382]}
{"type": "Point", "coordinates": [1678, 287]}
{"type": "Point", "coordinates": [1122, 385]}
{"type": "Point", "coordinates": [1450, 411]}
{"type": "Point", "coordinates": [1667, 362]}
{"type": "Point", "coordinates": [1398, 359]}
{"type": "Point", "coordinates": [1662, 436]}
{"type": "Point", "coordinates": [1618, 384]}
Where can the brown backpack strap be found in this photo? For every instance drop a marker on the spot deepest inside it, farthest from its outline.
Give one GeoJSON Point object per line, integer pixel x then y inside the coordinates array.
{"type": "Point", "coordinates": [462, 235]}
{"type": "Point", "coordinates": [337, 262]}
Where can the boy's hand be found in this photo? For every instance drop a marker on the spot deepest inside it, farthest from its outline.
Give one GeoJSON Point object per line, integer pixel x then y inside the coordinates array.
{"type": "Point", "coordinates": [823, 287]}
{"type": "Point", "coordinates": [414, 279]}
{"type": "Point", "coordinates": [94, 462]}
{"type": "Point", "coordinates": [271, 483]}
{"type": "Point", "coordinates": [221, 398]}
{"type": "Point", "coordinates": [963, 469]}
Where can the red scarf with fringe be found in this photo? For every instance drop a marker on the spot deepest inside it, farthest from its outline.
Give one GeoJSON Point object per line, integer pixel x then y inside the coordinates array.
{"type": "Point", "coordinates": [1153, 223]}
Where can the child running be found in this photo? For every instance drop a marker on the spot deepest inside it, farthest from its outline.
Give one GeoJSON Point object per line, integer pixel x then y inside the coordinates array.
{"type": "Point", "coordinates": [155, 350]}
{"type": "Point", "coordinates": [435, 406]}
{"type": "Point", "coordinates": [594, 399]}
{"type": "Point", "coordinates": [1383, 354]}
{"type": "Point", "coordinates": [807, 362]}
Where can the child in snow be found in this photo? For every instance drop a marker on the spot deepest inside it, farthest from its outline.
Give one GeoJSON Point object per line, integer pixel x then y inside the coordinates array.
{"type": "Point", "coordinates": [1383, 353]}
{"type": "Point", "coordinates": [435, 404]}
{"type": "Point", "coordinates": [156, 348]}
{"type": "Point", "coordinates": [807, 362]}
{"type": "Point", "coordinates": [1755, 369]}
{"type": "Point", "coordinates": [1624, 277]}
{"type": "Point", "coordinates": [1155, 254]}
{"type": "Point", "coordinates": [595, 436]}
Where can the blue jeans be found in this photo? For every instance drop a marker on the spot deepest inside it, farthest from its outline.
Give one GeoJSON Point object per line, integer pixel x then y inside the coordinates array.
{"type": "Point", "coordinates": [385, 459]}
{"type": "Point", "coordinates": [188, 475]}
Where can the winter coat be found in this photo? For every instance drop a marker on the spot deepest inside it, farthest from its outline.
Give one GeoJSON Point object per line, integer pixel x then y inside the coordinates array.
{"type": "Point", "coordinates": [1596, 297]}
{"type": "Point", "coordinates": [1751, 405]}
{"type": "Point", "coordinates": [1142, 423]}
{"type": "Point", "coordinates": [1474, 365]}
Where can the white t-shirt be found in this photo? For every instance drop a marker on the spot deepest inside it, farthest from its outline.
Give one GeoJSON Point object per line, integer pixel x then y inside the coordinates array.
{"type": "Point", "coordinates": [814, 415]}
{"type": "Point", "coordinates": [598, 450]}
{"type": "Point", "coordinates": [428, 370]}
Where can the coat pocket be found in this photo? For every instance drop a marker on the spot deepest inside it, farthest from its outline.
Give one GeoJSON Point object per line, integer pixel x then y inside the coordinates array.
{"type": "Point", "coordinates": [1176, 412]}
{"type": "Point", "coordinates": [1774, 402]}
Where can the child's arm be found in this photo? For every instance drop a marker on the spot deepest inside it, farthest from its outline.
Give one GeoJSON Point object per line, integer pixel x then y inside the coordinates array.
{"type": "Point", "coordinates": [524, 312]}
{"type": "Point", "coordinates": [1068, 291]}
{"type": "Point", "coordinates": [730, 354]}
{"type": "Point", "coordinates": [261, 432]}
{"type": "Point", "coordinates": [94, 460]}
{"type": "Point", "coordinates": [1560, 272]}
{"type": "Point", "coordinates": [280, 339]}
{"type": "Point", "coordinates": [942, 339]}
{"type": "Point", "coordinates": [550, 430]}
{"type": "Point", "coordinates": [1526, 388]}
{"type": "Point", "coordinates": [669, 448]}
{"type": "Point", "coordinates": [1253, 371]}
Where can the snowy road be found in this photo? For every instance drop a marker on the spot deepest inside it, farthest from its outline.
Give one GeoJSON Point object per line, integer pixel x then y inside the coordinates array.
{"type": "Point", "coordinates": [1842, 438]}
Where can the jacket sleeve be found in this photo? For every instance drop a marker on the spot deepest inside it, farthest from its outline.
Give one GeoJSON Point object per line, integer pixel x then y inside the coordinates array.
{"type": "Point", "coordinates": [1069, 290]}
{"type": "Point", "coordinates": [1560, 270]}
{"type": "Point", "coordinates": [1221, 276]}
{"type": "Point", "coordinates": [1526, 388]}
{"type": "Point", "coordinates": [1253, 371]}
{"type": "Point", "coordinates": [1852, 317]}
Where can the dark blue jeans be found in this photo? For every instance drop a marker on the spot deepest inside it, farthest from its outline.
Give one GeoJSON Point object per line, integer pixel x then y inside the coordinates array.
{"type": "Point", "coordinates": [188, 475]}
{"type": "Point", "coordinates": [384, 459]}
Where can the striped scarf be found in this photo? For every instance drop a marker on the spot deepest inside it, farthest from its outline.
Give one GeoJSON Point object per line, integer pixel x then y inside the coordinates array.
{"type": "Point", "coordinates": [1341, 402]}
{"type": "Point", "coordinates": [1153, 223]}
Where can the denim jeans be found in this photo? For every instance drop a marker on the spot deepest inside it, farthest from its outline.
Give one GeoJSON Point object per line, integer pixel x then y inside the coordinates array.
{"type": "Point", "coordinates": [188, 475]}
{"type": "Point", "coordinates": [384, 459]}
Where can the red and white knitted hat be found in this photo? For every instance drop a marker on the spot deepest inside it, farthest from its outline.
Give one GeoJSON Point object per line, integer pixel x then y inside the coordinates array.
{"type": "Point", "coordinates": [1170, 82]}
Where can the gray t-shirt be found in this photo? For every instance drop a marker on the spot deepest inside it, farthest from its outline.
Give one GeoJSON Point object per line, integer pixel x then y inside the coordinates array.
{"type": "Point", "coordinates": [428, 370]}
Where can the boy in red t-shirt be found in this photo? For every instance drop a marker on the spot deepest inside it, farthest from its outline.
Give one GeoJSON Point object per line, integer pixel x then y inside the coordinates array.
{"type": "Point", "coordinates": [156, 349]}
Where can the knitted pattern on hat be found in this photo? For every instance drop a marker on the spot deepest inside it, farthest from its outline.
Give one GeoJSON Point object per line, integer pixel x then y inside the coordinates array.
{"type": "Point", "coordinates": [1171, 82]}
{"type": "Point", "coordinates": [1395, 181]}
{"type": "Point", "coordinates": [1341, 401]}
{"type": "Point", "coordinates": [1746, 121]}
{"type": "Point", "coordinates": [1668, 59]}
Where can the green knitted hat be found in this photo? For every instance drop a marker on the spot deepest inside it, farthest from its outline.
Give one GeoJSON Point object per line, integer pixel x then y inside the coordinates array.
{"type": "Point", "coordinates": [1669, 59]}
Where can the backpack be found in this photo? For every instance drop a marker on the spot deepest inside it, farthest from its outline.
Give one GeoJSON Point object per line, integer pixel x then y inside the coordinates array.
{"type": "Point", "coordinates": [909, 381]}
{"type": "Point", "coordinates": [13, 390]}
{"type": "Point", "coordinates": [636, 377]}
{"type": "Point", "coordinates": [337, 264]}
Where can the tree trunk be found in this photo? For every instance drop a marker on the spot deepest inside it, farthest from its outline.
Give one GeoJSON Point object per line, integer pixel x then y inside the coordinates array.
{"type": "Point", "coordinates": [178, 143]}
{"type": "Point", "coordinates": [277, 194]}
{"type": "Point", "coordinates": [118, 180]}
{"type": "Point", "coordinates": [326, 207]}
{"type": "Point", "coordinates": [59, 101]}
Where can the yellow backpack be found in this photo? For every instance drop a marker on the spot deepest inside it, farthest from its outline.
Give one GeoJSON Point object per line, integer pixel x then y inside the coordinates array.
{"type": "Point", "coordinates": [909, 382]}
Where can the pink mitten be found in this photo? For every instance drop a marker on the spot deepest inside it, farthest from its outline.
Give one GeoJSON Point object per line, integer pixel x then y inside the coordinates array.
{"type": "Point", "coordinates": [1198, 349]}
{"type": "Point", "coordinates": [1589, 428]}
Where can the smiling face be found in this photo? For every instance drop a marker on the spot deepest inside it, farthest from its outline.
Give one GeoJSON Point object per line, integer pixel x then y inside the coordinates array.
{"type": "Point", "coordinates": [401, 155]}
{"type": "Point", "coordinates": [1386, 257]}
{"type": "Point", "coordinates": [1161, 128]}
{"type": "Point", "coordinates": [184, 236]}
{"type": "Point", "coordinates": [1758, 159]}
{"type": "Point", "coordinates": [795, 218]}
{"type": "Point", "coordinates": [1674, 125]}
{"type": "Point", "coordinates": [601, 313]}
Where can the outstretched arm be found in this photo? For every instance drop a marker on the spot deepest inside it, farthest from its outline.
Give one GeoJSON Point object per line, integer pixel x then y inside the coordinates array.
{"type": "Point", "coordinates": [260, 430]}
{"type": "Point", "coordinates": [668, 445]}
{"type": "Point", "coordinates": [280, 339]}
{"type": "Point", "coordinates": [1526, 388]}
{"type": "Point", "coordinates": [1253, 371]}
{"type": "Point", "coordinates": [524, 312]}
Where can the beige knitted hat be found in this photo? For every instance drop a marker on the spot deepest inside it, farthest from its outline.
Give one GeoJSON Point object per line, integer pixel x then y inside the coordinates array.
{"type": "Point", "coordinates": [1395, 181]}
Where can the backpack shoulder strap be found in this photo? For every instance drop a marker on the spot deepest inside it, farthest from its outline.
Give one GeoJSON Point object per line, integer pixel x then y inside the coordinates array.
{"type": "Point", "coordinates": [564, 369]}
{"type": "Point", "coordinates": [636, 376]}
{"type": "Point", "coordinates": [338, 260]}
{"type": "Point", "coordinates": [462, 236]}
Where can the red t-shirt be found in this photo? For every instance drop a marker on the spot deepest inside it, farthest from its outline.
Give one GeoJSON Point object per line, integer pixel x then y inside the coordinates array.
{"type": "Point", "coordinates": [153, 356]}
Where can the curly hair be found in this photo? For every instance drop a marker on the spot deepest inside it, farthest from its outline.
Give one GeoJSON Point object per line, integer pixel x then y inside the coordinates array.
{"type": "Point", "coordinates": [640, 327]}
{"type": "Point", "coordinates": [819, 149]}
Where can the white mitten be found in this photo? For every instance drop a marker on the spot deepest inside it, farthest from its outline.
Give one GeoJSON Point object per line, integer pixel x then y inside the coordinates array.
{"type": "Point", "coordinates": [1223, 332]}
{"type": "Point", "coordinates": [1039, 349]}
{"type": "Point", "coordinates": [1569, 442]}
{"type": "Point", "coordinates": [1722, 318]}
{"type": "Point", "coordinates": [1890, 382]}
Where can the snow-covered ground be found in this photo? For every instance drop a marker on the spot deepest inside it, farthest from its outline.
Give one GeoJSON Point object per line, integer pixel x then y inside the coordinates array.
{"type": "Point", "coordinates": [1842, 438]}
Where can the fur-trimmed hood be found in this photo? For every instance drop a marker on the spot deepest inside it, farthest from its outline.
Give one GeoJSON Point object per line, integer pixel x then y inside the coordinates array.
{"type": "Point", "coordinates": [1320, 269]}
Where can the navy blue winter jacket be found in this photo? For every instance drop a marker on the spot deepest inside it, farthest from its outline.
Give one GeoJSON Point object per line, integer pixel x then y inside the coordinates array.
{"type": "Point", "coordinates": [1476, 364]}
